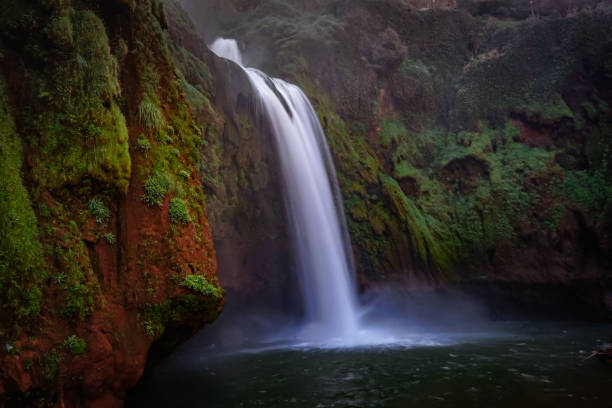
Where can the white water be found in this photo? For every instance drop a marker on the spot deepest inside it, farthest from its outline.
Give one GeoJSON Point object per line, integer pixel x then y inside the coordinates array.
{"type": "Point", "coordinates": [314, 207]}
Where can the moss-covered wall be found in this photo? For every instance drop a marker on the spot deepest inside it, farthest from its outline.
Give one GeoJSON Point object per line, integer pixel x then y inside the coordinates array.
{"type": "Point", "coordinates": [104, 241]}
{"type": "Point", "coordinates": [464, 139]}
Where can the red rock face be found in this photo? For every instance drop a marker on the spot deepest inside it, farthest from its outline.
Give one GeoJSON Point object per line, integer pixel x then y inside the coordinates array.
{"type": "Point", "coordinates": [133, 279]}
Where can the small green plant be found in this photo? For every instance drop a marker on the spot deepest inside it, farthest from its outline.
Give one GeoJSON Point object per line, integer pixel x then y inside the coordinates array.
{"type": "Point", "coordinates": [178, 211]}
{"type": "Point", "coordinates": [150, 115]}
{"type": "Point", "coordinates": [51, 364]}
{"type": "Point", "coordinates": [99, 211]}
{"type": "Point", "coordinates": [199, 284]}
{"type": "Point", "coordinates": [153, 319]}
{"type": "Point", "coordinates": [75, 344]}
{"type": "Point", "coordinates": [143, 144]}
{"type": "Point", "coordinates": [156, 188]}
{"type": "Point", "coordinates": [110, 239]}
{"type": "Point", "coordinates": [185, 174]}
{"type": "Point", "coordinates": [60, 278]}
{"type": "Point", "coordinates": [45, 211]}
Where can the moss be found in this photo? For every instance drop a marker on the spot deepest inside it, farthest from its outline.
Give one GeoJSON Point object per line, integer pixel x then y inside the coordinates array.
{"type": "Point", "coordinates": [199, 284]}
{"type": "Point", "coordinates": [553, 218]}
{"type": "Point", "coordinates": [75, 345]}
{"type": "Point", "coordinates": [59, 30]}
{"type": "Point", "coordinates": [74, 274]}
{"type": "Point", "coordinates": [21, 269]}
{"type": "Point", "coordinates": [391, 131]}
{"type": "Point", "coordinates": [183, 311]}
{"type": "Point", "coordinates": [50, 364]}
{"type": "Point", "coordinates": [404, 170]}
{"type": "Point", "coordinates": [79, 301]}
{"type": "Point", "coordinates": [550, 111]}
{"type": "Point", "coordinates": [430, 239]}
{"type": "Point", "coordinates": [143, 144]}
{"type": "Point", "coordinates": [589, 190]}
{"type": "Point", "coordinates": [356, 208]}
{"type": "Point", "coordinates": [178, 211]}
{"type": "Point", "coordinates": [511, 132]}
{"type": "Point", "coordinates": [83, 132]}
{"type": "Point", "coordinates": [156, 188]}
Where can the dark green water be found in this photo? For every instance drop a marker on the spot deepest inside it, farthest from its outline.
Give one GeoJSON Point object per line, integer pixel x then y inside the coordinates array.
{"type": "Point", "coordinates": [515, 365]}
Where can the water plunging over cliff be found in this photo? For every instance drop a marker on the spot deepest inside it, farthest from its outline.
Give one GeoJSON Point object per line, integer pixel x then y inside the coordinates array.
{"type": "Point", "coordinates": [313, 202]}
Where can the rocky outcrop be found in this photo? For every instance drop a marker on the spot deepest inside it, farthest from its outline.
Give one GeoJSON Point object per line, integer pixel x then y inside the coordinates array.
{"type": "Point", "coordinates": [105, 246]}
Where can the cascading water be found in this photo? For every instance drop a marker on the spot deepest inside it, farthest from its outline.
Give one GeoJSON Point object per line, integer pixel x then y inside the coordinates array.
{"type": "Point", "coordinates": [311, 195]}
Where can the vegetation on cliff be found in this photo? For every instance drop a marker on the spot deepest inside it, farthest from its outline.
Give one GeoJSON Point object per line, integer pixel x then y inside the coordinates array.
{"type": "Point", "coordinates": [101, 204]}
{"type": "Point", "coordinates": [465, 143]}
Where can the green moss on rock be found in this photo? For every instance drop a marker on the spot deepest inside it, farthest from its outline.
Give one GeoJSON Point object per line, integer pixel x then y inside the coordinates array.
{"type": "Point", "coordinates": [21, 255]}
{"type": "Point", "coordinates": [83, 132]}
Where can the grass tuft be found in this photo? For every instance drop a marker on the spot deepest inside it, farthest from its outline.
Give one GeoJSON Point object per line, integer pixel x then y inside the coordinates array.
{"type": "Point", "coordinates": [110, 238]}
{"type": "Point", "coordinates": [99, 211]}
{"type": "Point", "coordinates": [150, 115]}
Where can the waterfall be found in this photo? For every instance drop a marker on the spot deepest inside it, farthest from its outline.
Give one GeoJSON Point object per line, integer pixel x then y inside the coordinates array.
{"type": "Point", "coordinates": [312, 198]}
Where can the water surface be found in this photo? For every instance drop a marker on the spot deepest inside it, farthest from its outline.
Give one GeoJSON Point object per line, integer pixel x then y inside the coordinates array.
{"type": "Point", "coordinates": [518, 364]}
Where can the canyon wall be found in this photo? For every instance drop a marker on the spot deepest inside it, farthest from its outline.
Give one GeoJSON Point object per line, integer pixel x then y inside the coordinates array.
{"type": "Point", "coordinates": [472, 144]}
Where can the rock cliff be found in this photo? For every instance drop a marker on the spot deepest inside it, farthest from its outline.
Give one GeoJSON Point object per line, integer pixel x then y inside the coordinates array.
{"type": "Point", "coordinates": [105, 246]}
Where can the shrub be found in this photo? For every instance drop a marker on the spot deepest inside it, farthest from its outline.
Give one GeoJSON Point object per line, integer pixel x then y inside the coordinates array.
{"type": "Point", "coordinates": [75, 344]}
{"type": "Point", "coordinates": [143, 144]}
{"type": "Point", "coordinates": [178, 211]}
{"type": "Point", "coordinates": [110, 238]}
{"type": "Point", "coordinates": [99, 211]}
{"type": "Point", "coordinates": [199, 284]}
{"type": "Point", "coordinates": [150, 115]}
{"type": "Point", "coordinates": [156, 188]}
